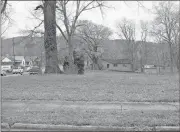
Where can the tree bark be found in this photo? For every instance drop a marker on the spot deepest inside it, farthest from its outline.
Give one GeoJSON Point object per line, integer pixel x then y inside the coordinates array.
{"type": "Point", "coordinates": [50, 44]}
{"type": "Point", "coordinates": [179, 45]}
{"type": "Point", "coordinates": [95, 64]}
{"type": "Point", "coordinates": [171, 57]}
{"type": "Point", "coordinates": [71, 57]}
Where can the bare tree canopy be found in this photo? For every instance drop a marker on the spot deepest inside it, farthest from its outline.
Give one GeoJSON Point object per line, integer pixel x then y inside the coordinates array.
{"type": "Point", "coordinates": [165, 27]}
{"type": "Point", "coordinates": [143, 47]}
{"type": "Point", "coordinates": [68, 17]}
{"type": "Point", "coordinates": [126, 30]}
{"type": "Point", "coordinates": [92, 36]}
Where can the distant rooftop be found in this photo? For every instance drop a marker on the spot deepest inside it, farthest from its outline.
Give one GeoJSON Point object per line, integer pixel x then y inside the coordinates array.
{"type": "Point", "coordinates": [118, 61]}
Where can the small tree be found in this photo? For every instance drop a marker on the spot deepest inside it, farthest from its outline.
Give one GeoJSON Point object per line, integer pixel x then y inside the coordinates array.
{"type": "Point", "coordinates": [143, 46]}
{"type": "Point", "coordinates": [93, 35]}
{"type": "Point", "coordinates": [126, 30]}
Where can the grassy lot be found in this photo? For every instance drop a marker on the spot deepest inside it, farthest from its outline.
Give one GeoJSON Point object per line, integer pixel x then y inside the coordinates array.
{"type": "Point", "coordinates": [93, 86]}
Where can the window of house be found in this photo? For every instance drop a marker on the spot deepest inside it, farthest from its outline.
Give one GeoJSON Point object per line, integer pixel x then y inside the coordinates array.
{"type": "Point", "coordinates": [107, 65]}
{"type": "Point", "coordinates": [115, 65]}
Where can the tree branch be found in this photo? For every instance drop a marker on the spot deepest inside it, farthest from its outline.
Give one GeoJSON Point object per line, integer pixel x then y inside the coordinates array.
{"type": "Point", "coordinates": [62, 32]}
{"type": "Point", "coordinates": [4, 6]}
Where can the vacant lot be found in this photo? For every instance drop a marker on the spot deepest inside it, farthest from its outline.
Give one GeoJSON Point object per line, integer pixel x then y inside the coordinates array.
{"type": "Point", "coordinates": [93, 86]}
{"type": "Point", "coordinates": [52, 99]}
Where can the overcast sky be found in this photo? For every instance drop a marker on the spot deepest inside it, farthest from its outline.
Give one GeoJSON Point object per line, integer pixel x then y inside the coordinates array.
{"type": "Point", "coordinates": [121, 9]}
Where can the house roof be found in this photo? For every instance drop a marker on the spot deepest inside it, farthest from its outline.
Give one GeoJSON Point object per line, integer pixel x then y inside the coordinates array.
{"type": "Point", "coordinates": [17, 58]}
{"type": "Point", "coordinates": [118, 61]}
{"type": "Point", "coordinates": [30, 58]}
{"type": "Point", "coordinates": [6, 59]}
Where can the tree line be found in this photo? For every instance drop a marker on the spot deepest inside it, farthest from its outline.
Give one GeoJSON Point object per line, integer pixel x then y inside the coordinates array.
{"type": "Point", "coordinates": [164, 29]}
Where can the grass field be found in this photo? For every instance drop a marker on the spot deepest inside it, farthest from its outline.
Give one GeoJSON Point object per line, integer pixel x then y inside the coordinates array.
{"type": "Point", "coordinates": [24, 92]}
{"type": "Point", "coordinates": [93, 86]}
{"type": "Point", "coordinates": [94, 117]}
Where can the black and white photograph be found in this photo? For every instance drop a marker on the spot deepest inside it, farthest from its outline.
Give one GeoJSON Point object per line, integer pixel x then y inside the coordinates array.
{"type": "Point", "coordinates": [90, 65]}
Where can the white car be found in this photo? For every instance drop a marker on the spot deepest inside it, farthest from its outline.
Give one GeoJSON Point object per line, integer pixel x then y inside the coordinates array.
{"type": "Point", "coordinates": [3, 73]}
{"type": "Point", "coordinates": [17, 71]}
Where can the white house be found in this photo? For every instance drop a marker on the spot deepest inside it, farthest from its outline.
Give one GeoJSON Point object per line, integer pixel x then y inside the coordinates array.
{"type": "Point", "coordinates": [117, 65]}
{"type": "Point", "coordinates": [6, 64]}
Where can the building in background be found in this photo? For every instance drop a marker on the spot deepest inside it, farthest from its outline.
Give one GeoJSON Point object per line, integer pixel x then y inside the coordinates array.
{"type": "Point", "coordinates": [6, 64]}
{"type": "Point", "coordinates": [117, 65]}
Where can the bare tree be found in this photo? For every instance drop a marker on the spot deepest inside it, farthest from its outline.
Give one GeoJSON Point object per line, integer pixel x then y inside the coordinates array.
{"type": "Point", "coordinates": [69, 15]}
{"type": "Point", "coordinates": [126, 30]}
{"type": "Point", "coordinates": [50, 44]}
{"type": "Point", "coordinates": [3, 6]}
{"type": "Point", "coordinates": [92, 36]}
{"type": "Point", "coordinates": [178, 60]}
{"type": "Point", "coordinates": [6, 20]}
{"type": "Point", "coordinates": [143, 46]}
{"type": "Point", "coordinates": [165, 25]}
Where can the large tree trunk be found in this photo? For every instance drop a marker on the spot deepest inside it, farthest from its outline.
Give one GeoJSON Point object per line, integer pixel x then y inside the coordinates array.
{"type": "Point", "coordinates": [145, 51]}
{"type": "Point", "coordinates": [171, 57]}
{"type": "Point", "coordinates": [96, 65]}
{"type": "Point", "coordinates": [178, 58]}
{"type": "Point", "coordinates": [72, 68]}
{"type": "Point", "coordinates": [50, 44]}
{"type": "Point", "coordinates": [141, 64]}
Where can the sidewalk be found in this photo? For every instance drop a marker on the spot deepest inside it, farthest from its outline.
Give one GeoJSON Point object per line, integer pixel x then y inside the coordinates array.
{"type": "Point", "coordinates": [128, 106]}
{"type": "Point", "coordinates": [36, 105]}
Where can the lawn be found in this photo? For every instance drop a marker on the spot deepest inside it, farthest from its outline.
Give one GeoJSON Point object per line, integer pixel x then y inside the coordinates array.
{"type": "Point", "coordinates": [24, 92]}
{"type": "Point", "coordinates": [93, 86]}
{"type": "Point", "coordinates": [93, 117]}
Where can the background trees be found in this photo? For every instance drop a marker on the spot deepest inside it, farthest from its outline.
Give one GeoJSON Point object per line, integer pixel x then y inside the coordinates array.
{"type": "Point", "coordinates": [126, 30]}
{"type": "Point", "coordinates": [68, 17]}
{"type": "Point", "coordinates": [166, 27]}
{"type": "Point", "coordinates": [143, 46]}
{"type": "Point", "coordinates": [92, 36]}
{"type": "Point", "coordinates": [68, 13]}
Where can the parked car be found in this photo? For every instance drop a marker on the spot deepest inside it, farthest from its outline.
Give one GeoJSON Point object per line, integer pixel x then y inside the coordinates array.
{"type": "Point", "coordinates": [3, 73]}
{"type": "Point", "coordinates": [34, 70]}
{"type": "Point", "coordinates": [17, 70]}
{"type": "Point", "coordinates": [28, 68]}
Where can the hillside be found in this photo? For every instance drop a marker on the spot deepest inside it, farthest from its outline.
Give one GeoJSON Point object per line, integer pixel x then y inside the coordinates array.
{"type": "Point", "coordinates": [115, 49]}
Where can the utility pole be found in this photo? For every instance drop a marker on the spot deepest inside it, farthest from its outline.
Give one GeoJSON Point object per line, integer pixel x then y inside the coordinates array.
{"type": "Point", "coordinates": [13, 51]}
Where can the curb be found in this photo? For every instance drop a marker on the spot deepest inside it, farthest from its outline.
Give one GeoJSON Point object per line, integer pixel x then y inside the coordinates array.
{"type": "Point", "coordinates": [87, 128]}
{"type": "Point", "coordinates": [96, 102]}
